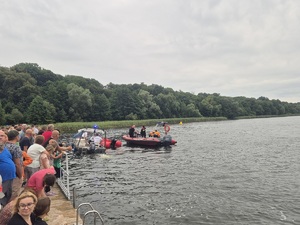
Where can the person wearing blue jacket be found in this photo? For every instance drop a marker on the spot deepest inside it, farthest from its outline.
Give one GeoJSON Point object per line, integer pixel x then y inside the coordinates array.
{"type": "Point", "coordinates": [7, 171]}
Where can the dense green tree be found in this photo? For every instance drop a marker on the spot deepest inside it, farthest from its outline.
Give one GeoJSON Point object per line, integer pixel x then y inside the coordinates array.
{"type": "Point", "coordinates": [154, 111]}
{"type": "Point", "coordinates": [124, 103]}
{"type": "Point", "coordinates": [80, 100]}
{"type": "Point", "coordinates": [40, 111]}
{"type": "Point", "coordinates": [191, 111]}
{"type": "Point", "coordinates": [230, 108]}
{"type": "Point", "coordinates": [56, 93]}
{"type": "Point", "coordinates": [19, 89]}
{"type": "Point", "coordinates": [30, 93]}
{"type": "Point", "coordinates": [101, 108]}
{"type": "Point", "coordinates": [2, 114]}
{"type": "Point", "coordinates": [131, 116]}
{"type": "Point", "coordinates": [15, 117]}
{"type": "Point", "coordinates": [149, 108]}
{"type": "Point", "coordinates": [280, 109]}
{"type": "Point", "coordinates": [168, 104]}
{"type": "Point", "coordinates": [8, 119]}
{"type": "Point", "coordinates": [155, 89]}
{"type": "Point", "coordinates": [61, 116]}
{"type": "Point", "coordinates": [40, 75]}
{"type": "Point", "coordinates": [9, 106]}
{"type": "Point", "coordinates": [247, 106]}
{"type": "Point", "coordinates": [210, 107]}
{"type": "Point", "coordinates": [91, 84]}
{"type": "Point", "coordinates": [3, 73]}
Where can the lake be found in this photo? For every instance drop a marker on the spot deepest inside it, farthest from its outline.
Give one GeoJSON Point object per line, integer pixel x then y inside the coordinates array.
{"type": "Point", "coordinates": [225, 172]}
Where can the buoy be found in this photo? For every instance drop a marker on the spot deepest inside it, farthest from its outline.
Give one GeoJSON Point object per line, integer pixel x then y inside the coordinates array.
{"type": "Point", "coordinates": [167, 128]}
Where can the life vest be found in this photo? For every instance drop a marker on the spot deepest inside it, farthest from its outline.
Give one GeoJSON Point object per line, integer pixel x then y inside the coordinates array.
{"type": "Point", "coordinates": [156, 134]}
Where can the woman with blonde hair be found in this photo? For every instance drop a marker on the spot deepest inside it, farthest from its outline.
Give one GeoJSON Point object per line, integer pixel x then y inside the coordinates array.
{"type": "Point", "coordinates": [23, 209]}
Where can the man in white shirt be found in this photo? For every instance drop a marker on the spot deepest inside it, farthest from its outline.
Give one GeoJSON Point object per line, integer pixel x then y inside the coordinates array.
{"type": "Point", "coordinates": [97, 139]}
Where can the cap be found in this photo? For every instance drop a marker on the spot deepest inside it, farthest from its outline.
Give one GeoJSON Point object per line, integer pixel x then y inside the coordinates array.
{"type": "Point", "coordinates": [12, 134]}
{"type": "Point", "coordinates": [1, 193]}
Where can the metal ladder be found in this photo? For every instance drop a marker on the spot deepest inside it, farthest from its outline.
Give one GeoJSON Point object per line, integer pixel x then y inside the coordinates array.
{"type": "Point", "coordinates": [64, 184]}
{"type": "Point", "coordinates": [92, 211]}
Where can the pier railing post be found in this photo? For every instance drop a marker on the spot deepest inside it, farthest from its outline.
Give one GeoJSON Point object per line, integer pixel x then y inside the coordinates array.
{"type": "Point", "coordinates": [74, 194]}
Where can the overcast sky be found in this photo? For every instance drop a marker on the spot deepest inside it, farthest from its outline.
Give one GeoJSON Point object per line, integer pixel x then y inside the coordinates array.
{"type": "Point", "coordinates": [245, 48]}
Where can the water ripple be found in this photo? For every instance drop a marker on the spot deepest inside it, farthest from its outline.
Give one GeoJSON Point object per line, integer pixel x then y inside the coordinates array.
{"type": "Point", "coordinates": [228, 172]}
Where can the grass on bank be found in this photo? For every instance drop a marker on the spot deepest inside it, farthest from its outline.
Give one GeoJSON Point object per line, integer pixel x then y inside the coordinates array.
{"type": "Point", "coordinates": [73, 127]}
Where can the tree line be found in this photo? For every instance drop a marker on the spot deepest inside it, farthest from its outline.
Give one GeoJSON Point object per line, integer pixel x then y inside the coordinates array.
{"type": "Point", "coordinates": [31, 94]}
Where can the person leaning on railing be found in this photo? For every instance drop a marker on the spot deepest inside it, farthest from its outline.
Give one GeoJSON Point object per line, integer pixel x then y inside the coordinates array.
{"type": "Point", "coordinates": [41, 180]}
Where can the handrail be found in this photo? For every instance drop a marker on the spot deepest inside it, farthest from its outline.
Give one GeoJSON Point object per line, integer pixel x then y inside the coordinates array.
{"type": "Point", "coordinates": [96, 213]}
{"type": "Point", "coordinates": [63, 182]}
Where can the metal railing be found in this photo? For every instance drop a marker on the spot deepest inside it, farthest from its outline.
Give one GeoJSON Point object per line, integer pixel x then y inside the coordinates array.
{"type": "Point", "coordinates": [63, 182]}
{"type": "Point", "coordinates": [92, 211]}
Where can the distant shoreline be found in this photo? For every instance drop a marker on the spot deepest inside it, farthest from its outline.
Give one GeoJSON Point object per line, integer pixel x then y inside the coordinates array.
{"type": "Point", "coordinates": [73, 127]}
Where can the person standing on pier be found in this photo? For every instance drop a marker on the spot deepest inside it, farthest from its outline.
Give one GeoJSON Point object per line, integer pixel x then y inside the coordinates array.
{"type": "Point", "coordinates": [23, 209]}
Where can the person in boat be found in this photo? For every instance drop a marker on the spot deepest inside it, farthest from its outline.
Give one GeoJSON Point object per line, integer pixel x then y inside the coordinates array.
{"type": "Point", "coordinates": [97, 139]}
{"type": "Point", "coordinates": [154, 133]}
{"type": "Point", "coordinates": [143, 132]}
{"type": "Point", "coordinates": [132, 132]}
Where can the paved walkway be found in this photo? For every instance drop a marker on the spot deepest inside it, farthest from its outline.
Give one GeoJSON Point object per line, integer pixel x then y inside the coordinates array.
{"type": "Point", "coordinates": [62, 211]}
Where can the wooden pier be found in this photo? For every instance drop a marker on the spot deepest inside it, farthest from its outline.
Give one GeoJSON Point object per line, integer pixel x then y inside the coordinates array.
{"type": "Point", "coordinates": [62, 211]}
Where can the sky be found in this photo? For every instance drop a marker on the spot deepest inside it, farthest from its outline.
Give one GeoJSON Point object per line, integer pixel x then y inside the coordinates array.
{"type": "Point", "coordinates": [235, 48]}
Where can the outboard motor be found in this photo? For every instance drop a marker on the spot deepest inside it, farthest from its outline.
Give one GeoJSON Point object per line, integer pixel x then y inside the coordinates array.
{"type": "Point", "coordinates": [167, 140]}
{"type": "Point", "coordinates": [113, 144]}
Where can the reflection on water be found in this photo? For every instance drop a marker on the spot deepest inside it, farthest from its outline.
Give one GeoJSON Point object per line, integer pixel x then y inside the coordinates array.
{"type": "Point", "coordinates": [228, 172]}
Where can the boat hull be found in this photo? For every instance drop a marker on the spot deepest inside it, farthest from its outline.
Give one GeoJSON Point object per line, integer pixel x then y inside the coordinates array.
{"type": "Point", "coordinates": [149, 142]}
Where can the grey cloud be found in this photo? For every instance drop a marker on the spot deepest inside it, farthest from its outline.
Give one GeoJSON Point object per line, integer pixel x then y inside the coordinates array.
{"type": "Point", "coordinates": [231, 47]}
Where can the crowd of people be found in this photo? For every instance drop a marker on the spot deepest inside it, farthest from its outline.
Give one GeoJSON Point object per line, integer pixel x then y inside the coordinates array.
{"type": "Point", "coordinates": [30, 162]}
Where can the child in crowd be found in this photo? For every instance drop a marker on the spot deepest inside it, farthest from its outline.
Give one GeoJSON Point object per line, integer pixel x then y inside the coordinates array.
{"type": "Point", "coordinates": [27, 160]}
{"type": "Point", "coordinates": [56, 156]}
{"type": "Point", "coordinates": [45, 158]}
{"type": "Point", "coordinates": [41, 210]}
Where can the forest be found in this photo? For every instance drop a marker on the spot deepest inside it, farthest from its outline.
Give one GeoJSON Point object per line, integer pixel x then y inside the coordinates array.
{"type": "Point", "coordinates": [34, 95]}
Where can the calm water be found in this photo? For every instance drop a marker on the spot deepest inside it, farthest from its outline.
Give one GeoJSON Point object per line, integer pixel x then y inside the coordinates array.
{"type": "Point", "coordinates": [228, 172]}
